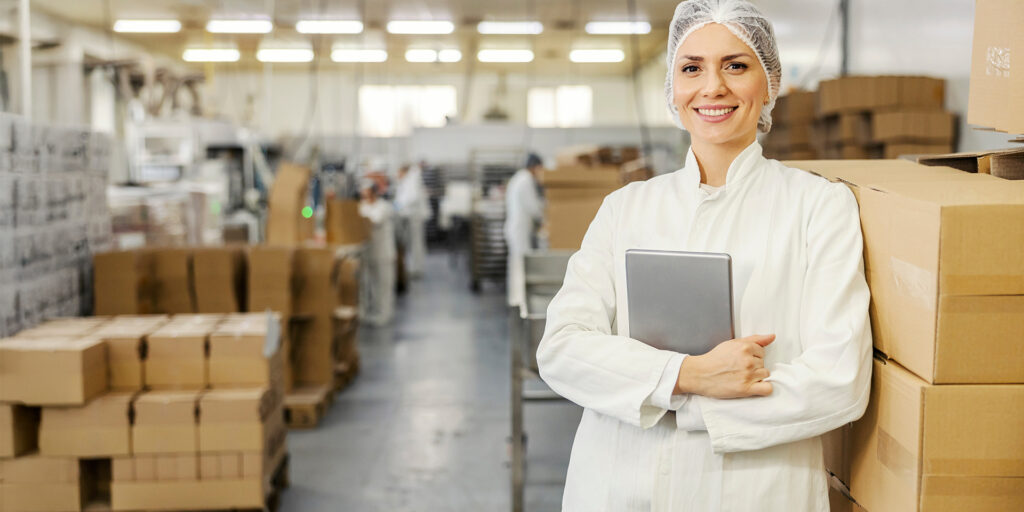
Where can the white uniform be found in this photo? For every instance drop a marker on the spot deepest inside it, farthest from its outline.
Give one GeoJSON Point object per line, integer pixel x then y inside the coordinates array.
{"type": "Point", "coordinates": [380, 264]}
{"type": "Point", "coordinates": [414, 208]}
{"type": "Point", "coordinates": [798, 272]}
{"type": "Point", "coordinates": [523, 209]}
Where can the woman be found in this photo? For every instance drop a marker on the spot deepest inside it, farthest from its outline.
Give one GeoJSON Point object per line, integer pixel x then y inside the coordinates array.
{"type": "Point", "coordinates": [747, 416]}
{"type": "Point", "coordinates": [524, 210]}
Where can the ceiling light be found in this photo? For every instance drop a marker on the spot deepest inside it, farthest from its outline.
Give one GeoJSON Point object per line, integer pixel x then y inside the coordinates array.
{"type": "Point", "coordinates": [504, 56]}
{"type": "Point", "coordinates": [149, 26]}
{"type": "Point", "coordinates": [358, 55]}
{"type": "Point", "coordinates": [421, 27]}
{"type": "Point", "coordinates": [618, 27]}
{"type": "Point", "coordinates": [329, 27]}
{"type": "Point", "coordinates": [239, 26]}
{"type": "Point", "coordinates": [510, 27]}
{"type": "Point", "coordinates": [449, 55]}
{"type": "Point", "coordinates": [211, 55]}
{"type": "Point", "coordinates": [597, 56]}
{"type": "Point", "coordinates": [284, 55]}
{"type": "Point", "coordinates": [417, 55]}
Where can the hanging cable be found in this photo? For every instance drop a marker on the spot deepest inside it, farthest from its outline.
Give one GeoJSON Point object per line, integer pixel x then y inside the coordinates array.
{"type": "Point", "coordinates": [634, 50]}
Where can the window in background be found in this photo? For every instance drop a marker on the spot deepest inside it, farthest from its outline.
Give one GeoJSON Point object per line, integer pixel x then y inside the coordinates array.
{"type": "Point", "coordinates": [389, 111]}
{"type": "Point", "coordinates": [565, 106]}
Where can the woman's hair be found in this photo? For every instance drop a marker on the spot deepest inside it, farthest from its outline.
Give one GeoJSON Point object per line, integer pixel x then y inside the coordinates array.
{"type": "Point", "coordinates": [745, 22]}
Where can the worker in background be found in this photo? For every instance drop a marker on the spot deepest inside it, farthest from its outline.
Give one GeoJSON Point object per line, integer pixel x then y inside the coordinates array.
{"type": "Point", "coordinates": [413, 209]}
{"type": "Point", "coordinates": [380, 260]}
{"type": "Point", "coordinates": [524, 210]}
{"type": "Point", "coordinates": [738, 428]}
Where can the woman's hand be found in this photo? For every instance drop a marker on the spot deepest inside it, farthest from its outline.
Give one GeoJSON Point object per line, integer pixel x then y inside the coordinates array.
{"type": "Point", "coordinates": [733, 369]}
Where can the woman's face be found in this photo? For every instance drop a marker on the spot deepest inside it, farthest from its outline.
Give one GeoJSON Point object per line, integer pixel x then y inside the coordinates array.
{"type": "Point", "coordinates": [718, 86]}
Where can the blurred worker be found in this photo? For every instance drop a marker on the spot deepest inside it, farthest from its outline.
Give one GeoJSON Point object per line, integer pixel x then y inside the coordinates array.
{"type": "Point", "coordinates": [380, 260]}
{"type": "Point", "coordinates": [413, 210]}
{"type": "Point", "coordinates": [524, 209]}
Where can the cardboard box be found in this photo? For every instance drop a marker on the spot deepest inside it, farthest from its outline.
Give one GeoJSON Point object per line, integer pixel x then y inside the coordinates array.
{"type": "Point", "coordinates": [65, 328]}
{"type": "Point", "coordinates": [52, 371]}
{"type": "Point", "coordinates": [582, 155]}
{"type": "Point", "coordinates": [122, 469]}
{"type": "Point", "coordinates": [568, 220]}
{"type": "Point", "coordinates": [348, 281]}
{"type": "Point", "coordinates": [145, 468]}
{"type": "Point", "coordinates": [126, 347]}
{"type": "Point", "coordinates": [836, 448]}
{"type": "Point", "coordinates": [857, 173]}
{"type": "Point", "coordinates": [605, 177]}
{"type": "Point", "coordinates": [219, 279]}
{"type": "Point", "coordinates": [166, 423]}
{"type": "Point", "coordinates": [123, 283]}
{"type": "Point", "coordinates": [40, 484]}
{"type": "Point", "coordinates": [100, 428]}
{"type": "Point", "coordinates": [902, 150]}
{"type": "Point", "coordinates": [317, 297]}
{"type": "Point", "coordinates": [271, 279]}
{"type": "Point", "coordinates": [289, 194]}
{"type": "Point", "coordinates": [19, 427]}
{"type": "Point", "coordinates": [1005, 163]}
{"type": "Point", "coordinates": [176, 467]}
{"type": "Point", "coordinates": [209, 466]}
{"type": "Point", "coordinates": [938, 448]}
{"type": "Point", "coordinates": [239, 419]}
{"type": "Point", "coordinates": [862, 93]}
{"type": "Point", "coordinates": [795, 107]}
{"type": "Point", "coordinates": [914, 126]}
{"type": "Point", "coordinates": [344, 225]}
{"type": "Point", "coordinates": [247, 354]}
{"type": "Point", "coordinates": [940, 306]}
{"type": "Point", "coordinates": [176, 357]}
{"type": "Point", "coordinates": [172, 275]}
{"type": "Point", "coordinates": [996, 99]}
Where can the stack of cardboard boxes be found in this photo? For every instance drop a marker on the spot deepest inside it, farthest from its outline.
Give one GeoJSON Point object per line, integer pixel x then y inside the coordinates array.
{"type": "Point", "coordinates": [53, 216]}
{"type": "Point", "coordinates": [793, 127]}
{"type": "Point", "coordinates": [178, 434]}
{"type": "Point", "coordinates": [942, 429]}
{"type": "Point", "coordinates": [287, 222]}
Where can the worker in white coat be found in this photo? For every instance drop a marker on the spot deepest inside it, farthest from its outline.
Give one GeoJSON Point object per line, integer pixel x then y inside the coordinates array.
{"type": "Point", "coordinates": [738, 428]}
{"type": "Point", "coordinates": [381, 254]}
{"type": "Point", "coordinates": [524, 210]}
{"type": "Point", "coordinates": [413, 208]}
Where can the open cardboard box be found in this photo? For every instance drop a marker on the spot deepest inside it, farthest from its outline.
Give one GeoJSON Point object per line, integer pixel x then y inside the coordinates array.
{"type": "Point", "coordinates": [1003, 163]}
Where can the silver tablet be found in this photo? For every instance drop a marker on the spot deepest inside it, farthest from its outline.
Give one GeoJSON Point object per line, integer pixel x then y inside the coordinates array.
{"type": "Point", "coordinates": [680, 301]}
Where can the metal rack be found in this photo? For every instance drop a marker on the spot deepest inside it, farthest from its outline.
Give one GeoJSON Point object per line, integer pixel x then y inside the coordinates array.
{"type": "Point", "coordinates": [490, 170]}
{"type": "Point", "coordinates": [544, 273]}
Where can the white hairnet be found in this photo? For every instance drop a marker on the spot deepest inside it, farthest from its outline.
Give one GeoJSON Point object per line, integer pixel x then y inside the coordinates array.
{"type": "Point", "coordinates": [745, 22]}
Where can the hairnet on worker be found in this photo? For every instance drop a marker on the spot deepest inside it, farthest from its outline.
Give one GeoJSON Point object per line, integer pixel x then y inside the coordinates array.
{"type": "Point", "coordinates": [745, 22]}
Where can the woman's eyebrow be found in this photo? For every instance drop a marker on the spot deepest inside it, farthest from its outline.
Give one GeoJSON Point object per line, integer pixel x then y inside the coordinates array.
{"type": "Point", "coordinates": [736, 56]}
{"type": "Point", "coordinates": [692, 57]}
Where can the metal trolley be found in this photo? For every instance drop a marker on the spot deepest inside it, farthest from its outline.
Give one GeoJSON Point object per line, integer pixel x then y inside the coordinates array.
{"type": "Point", "coordinates": [490, 170]}
{"type": "Point", "coordinates": [544, 272]}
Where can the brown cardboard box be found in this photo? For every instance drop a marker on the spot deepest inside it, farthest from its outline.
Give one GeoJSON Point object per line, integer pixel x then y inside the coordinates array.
{"type": "Point", "coordinates": [175, 467]}
{"type": "Point", "coordinates": [568, 220]}
{"type": "Point", "coordinates": [145, 468]}
{"type": "Point", "coordinates": [247, 354]}
{"type": "Point", "coordinates": [795, 107]}
{"type": "Point", "coordinates": [40, 484]}
{"type": "Point", "coordinates": [165, 423]}
{"type": "Point", "coordinates": [288, 196]}
{"type": "Point", "coordinates": [583, 155]}
{"type": "Point", "coordinates": [100, 428]}
{"type": "Point", "coordinates": [940, 306]}
{"type": "Point", "coordinates": [271, 279]}
{"type": "Point", "coordinates": [122, 469]}
{"type": "Point", "coordinates": [913, 126]}
{"type": "Point", "coordinates": [19, 426]}
{"type": "Point", "coordinates": [860, 93]}
{"type": "Point", "coordinates": [219, 279]}
{"type": "Point", "coordinates": [349, 281]}
{"type": "Point", "coordinates": [938, 448]}
{"type": "Point", "coordinates": [172, 276]}
{"type": "Point", "coordinates": [230, 465]}
{"type": "Point", "coordinates": [900, 150]}
{"type": "Point", "coordinates": [123, 282]}
{"type": "Point", "coordinates": [126, 344]}
{"type": "Point", "coordinates": [996, 99]}
{"type": "Point", "coordinates": [605, 177]}
{"type": "Point", "coordinates": [52, 371]}
{"type": "Point", "coordinates": [344, 225]}
{"type": "Point", "coordinates": [64, 328]}
{"type": "Point", "coordinates": [176, 356]}
{"type": "Point", "coordinates": [209, 466]}
{"type": "Point", "coordinates": [836, 447]}
{"type": "Point", "coordinates": [239, 419]}
{"type": "Point", "coordinates": [317, 297]}
{"type": "Point", "coordinates": [857, 173]}
{"type": "Point", "coordinates": [1004, 163]}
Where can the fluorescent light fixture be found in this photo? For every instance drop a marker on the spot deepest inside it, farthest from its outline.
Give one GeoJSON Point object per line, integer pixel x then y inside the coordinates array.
{"type": "Point", "coordinates": [211, 55]}
{"type": "Point", "coordinates": [148, 26]}
{"type": "Point", "coordinates": [420, 27]}
{"type": "Point", "coordinates": [449, 55]}
{"type": "Point", "coordinates": [284, 55]}
{"type": "Point", "coordinates": [251, 26]}
{"type": "Point", "coordinates": [510, 27]}
{"type": "Point", "coordinates": [329, 27]}
{"type": "Point", "coordinates": [588, 55]}
{"type": "Point", "coordinates": [417, 55]}
{"type": "Point", "coordinates": [505, 56]}
{"type": "Point", "coordinates": [618, 27]}
{"type": "Point", "coordinates": [358, 55]}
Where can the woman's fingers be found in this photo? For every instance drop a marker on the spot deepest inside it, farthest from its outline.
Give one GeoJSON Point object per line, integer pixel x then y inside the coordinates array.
{"type": "Point", "coordinates": [760, 389]}
{"type": "Point", "coordinates": [761, 374]}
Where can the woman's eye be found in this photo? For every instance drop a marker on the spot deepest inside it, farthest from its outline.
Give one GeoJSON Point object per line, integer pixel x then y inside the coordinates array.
{"type": "Point", "coordinates": [736, 65]}
{"type": "Point", "coordinates": [690, 69]}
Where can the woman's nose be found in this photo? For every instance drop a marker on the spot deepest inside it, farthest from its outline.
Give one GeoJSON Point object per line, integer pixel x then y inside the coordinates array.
{"type": "Point", "coordinates": [714, 85]}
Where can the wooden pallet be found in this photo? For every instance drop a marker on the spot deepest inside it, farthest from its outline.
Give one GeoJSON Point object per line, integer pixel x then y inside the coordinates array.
{"type": "Point", "coordinates": [345, 373]}
{"type": "Point", "coordinates": [304, 407]}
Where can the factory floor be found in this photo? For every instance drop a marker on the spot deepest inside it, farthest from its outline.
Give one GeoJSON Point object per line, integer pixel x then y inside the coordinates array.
{"type": "Point", "coordinates": [424, 426]}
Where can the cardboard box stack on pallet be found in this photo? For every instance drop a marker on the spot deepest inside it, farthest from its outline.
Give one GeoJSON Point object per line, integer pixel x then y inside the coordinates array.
{"type": "Point", "coordinates": [313, 288]}
{"type": "Point", "coordinates": [793, 126]}
{"type": "Point", "coordinates": [575, 189]}
{"type": "Point", "coordinates": [81, 427]}
{"type": "Point", "coordinates": [942, 429]}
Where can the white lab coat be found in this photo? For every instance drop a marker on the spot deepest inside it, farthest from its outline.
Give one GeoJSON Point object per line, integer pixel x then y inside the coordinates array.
{"type": "Point", "coordinates": [380, 264]}
{"type": "Point", "coordinates": [523, 209]}
{"type": "Point", "coordinates": [413, 206]}
{"type": "Point", "coordinates": [798, 272]}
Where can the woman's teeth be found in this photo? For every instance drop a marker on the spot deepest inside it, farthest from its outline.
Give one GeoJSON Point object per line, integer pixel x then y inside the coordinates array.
{"type": "Point", "coordinates": [715, 111]}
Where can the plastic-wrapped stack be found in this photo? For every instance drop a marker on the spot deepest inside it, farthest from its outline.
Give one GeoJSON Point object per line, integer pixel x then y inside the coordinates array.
{"type": "Point", "coordinates": [53, 216]}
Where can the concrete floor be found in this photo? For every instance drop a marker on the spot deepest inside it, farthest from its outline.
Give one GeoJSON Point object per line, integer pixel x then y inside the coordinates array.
{"type": "Point", "coordinates": [424, 426]}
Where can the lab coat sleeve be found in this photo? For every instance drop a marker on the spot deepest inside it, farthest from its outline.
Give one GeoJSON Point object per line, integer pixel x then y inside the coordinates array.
{"type": "Point", "coordinates": [579, 357]}
{"type": "Point", "coordinates": [828, 384]}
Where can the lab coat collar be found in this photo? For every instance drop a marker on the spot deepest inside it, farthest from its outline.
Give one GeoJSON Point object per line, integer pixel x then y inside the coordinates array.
{"type": "Point", "coordinates": [740, 167]}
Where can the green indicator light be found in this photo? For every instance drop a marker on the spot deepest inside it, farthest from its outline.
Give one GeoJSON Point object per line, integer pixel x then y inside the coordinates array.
{"type": "Point", "coordinates": [307, 212]}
